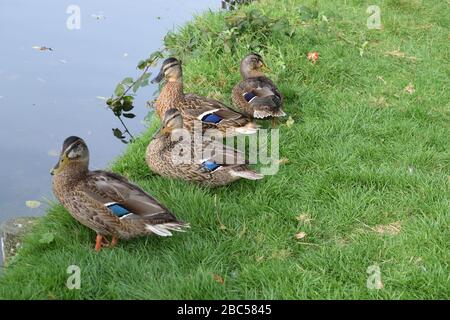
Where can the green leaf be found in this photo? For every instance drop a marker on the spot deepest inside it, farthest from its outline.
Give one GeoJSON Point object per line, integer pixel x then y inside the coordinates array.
{"type": "Point", "coordinates": [118, 134]}
{"type": "Point", "coordinates": [142, 64]}
{"type": "Point", "coordinates": [127, 80]}
{"type": "Point", "coordinates": [119, 90]}
{"type": "Point", "coordinates": [110, 101]}
{"type": "Point", "coordinates": [127, 105]}
{"type": "Point", "coordinates": [129, 115]}
{"type": "Point", "coordinates": [47, 238]}
{"type": "Point", "coordinates": [136, 86]}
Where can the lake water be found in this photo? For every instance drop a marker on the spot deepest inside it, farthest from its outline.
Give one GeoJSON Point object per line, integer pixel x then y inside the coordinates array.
{"type": "Point", "coordinates": [46, 96]}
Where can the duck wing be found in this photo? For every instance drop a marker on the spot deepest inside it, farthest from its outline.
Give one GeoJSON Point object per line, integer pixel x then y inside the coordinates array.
{"type": "Point", "coordinates": [124, 199]}
{"type": "Point", "coordinates": [259, 97]}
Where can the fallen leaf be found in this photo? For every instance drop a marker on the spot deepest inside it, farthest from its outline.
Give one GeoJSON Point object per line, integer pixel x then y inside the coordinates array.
{"type": "Point", "coordinates": [410, 88]}
{"type": "Point", "coordinates": [300, 235]}
{"type": "Point", "coordinates": [304, 217]}
{"type": "Point", "coordinates": [218, 279]}
{"type": "Point", "coordinates": [313, 56]}
{"type": "Point", "coordinates": [42, 48]}
{"type": "Point", "coordinates": [389, 229]}
{"type": "Point", "coordinates": [283, 161]}
{"type": "Point", "coordinates": [222, 227]}
{"type": "Point", "coordinates": [399, 54]}
{"type": "Point", "coordinates": [32, 204]}
{"type": "Point", "coordinates": [381, 79]}
{"type": "Point", "coordinates": [47, 238]}
{"type": "Point", "coordinates": [290, 122]}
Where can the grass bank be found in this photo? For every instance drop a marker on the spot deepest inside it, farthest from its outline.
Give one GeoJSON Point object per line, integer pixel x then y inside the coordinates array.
{"type": "Point", "coordinates": [367, 179]}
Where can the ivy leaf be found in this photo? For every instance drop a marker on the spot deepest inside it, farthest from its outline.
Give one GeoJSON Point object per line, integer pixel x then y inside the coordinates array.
{"type": "Point", "coordinates": [47, 238]}
{"type": "Point", "coordinates": [129, 115]}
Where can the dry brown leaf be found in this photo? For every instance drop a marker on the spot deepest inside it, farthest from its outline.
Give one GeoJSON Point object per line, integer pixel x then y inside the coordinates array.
{"type": "Point", "coordinates": [218, 279]}
{"type": "Point", "coordinates": [300, 235]}
{"type": "Point", "coordinates": [410, 88]}
{"type": "Point", "coordinates": [283, 161]}
{"type": "Point", "coordinates": [392, 229]}
{"type": "Point", "coordinates": [399, 54]}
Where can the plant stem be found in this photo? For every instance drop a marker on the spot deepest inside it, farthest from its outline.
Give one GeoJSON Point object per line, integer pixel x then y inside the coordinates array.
{"type": "Point", "coordinates": [126, 128]}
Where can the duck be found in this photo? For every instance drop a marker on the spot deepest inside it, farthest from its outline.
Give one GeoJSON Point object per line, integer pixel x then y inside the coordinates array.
{"type": "Point", "coordinates": [197, 110]}
{"type": "Point", "coordinates": [256, 95]}
{"type": "Point", "coordinates": [106, 202]}
{"type": "Point", "coordinates": [175, 153]}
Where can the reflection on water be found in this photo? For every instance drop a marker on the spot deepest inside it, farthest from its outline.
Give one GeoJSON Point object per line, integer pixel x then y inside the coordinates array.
{"type": "Point", "coordinates": [46, 95]}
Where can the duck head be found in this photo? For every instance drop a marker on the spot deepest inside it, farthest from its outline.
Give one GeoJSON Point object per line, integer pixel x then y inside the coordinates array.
{"type": "Point", "coordinates": [253, 66]}
{"type": "Point", "coordinates": [170, 71]}
{"type": "Point", "coordinates": [74, 151]}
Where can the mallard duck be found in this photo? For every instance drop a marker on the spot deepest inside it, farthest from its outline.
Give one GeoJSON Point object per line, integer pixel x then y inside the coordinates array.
{"type": "Point", "coordinates": [210, 113]}
{"type": "Point", "coordinates": [256, 95]}
{"type": "Point", "coordinates": [194, 157]}
{"type": "Point", "coordinates": [106, 202]}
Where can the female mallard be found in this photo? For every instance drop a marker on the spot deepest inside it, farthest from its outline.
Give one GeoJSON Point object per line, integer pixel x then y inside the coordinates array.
{"type": "Point", "coordinates": [106, 202]}
{"type": "Point", "coordinates": [256, 95]}
{"type": "Point", "coordinates": [211, 114]}
{"type": "Point", "coordinates": [194, 157]}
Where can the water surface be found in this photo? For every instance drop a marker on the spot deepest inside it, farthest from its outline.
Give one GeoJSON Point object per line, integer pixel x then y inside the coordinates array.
{"type": "Point", "coordinates": [46, 96]}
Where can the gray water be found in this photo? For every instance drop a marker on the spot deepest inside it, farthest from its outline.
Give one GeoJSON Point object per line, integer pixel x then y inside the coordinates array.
{"type": "Point", "coordinates": [46, 96]}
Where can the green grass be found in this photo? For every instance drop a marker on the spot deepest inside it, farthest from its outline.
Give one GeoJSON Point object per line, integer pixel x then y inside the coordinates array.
{"type": "Point", "coordinates": [362, 153]}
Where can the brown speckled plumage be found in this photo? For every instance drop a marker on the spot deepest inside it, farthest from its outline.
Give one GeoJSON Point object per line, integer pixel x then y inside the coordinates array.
{"type": "Point", "coordinates": [86, 194]}
{"type": "Point", "coordinates": [162, 158]}
{"type": "Point", "coordinates": [193, 107]}
{"type": "Point", "coordinates": [256, 95]}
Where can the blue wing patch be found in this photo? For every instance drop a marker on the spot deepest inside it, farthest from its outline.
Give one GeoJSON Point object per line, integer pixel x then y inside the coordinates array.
{"type": "Point", "coordinates": [210, 165]}
{"type": "Point", "coordinates": [211, 118]}
{"type": "Point", "coordinates": [117, 209]}
{"type": "Point", "coordinates": [248, 96]}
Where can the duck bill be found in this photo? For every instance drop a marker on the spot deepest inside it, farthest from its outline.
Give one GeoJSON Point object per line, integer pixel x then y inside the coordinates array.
{"type": "Point", "coordinates": [159, 77]}
{"type": "Point", "coordinates": [59, 165]}
{"type": "Point", "coordinates": [55, 169]}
